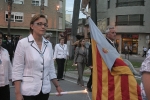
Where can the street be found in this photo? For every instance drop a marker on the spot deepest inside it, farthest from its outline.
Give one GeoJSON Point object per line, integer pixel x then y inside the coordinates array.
{"type": "Point", "coordinates": [66, 85]}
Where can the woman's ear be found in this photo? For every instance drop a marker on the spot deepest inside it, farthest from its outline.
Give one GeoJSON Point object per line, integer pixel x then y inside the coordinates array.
{"type": "Point", "coordinates": [31, 26]}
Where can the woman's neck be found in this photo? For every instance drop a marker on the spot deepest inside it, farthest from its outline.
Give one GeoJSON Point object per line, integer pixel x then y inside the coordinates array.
{"type": "Point", "coordinates": [37, 38]}
{"type": "Point", "coordinates": [61, 43]}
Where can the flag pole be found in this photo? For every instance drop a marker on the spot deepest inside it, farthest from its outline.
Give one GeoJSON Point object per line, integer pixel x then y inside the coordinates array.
{"type": "Point", "coordinates": [93, 11]}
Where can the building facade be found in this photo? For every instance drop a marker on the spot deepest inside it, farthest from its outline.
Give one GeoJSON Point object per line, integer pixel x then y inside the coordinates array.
{"type": "Point", "coordinates": [23, 10]}
{"type": "Point", "coordinates": [131, 21]}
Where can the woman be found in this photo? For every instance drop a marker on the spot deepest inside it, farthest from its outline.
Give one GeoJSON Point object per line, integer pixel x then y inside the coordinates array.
{"type": "Point", "coordinates": [145, 70]}
{"type": "Point", "coordinates": [80, 59]}
{"type": "Point", "coordinates": [33, 65]}
{"type": "Point", "coordinates": [5, 72]}
{"type": "Point", "coordinates": [60, 54]}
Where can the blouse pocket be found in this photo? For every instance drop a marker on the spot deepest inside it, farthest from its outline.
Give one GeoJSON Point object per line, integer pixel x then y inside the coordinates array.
{"type": "Point", "coordinates": [27, 79]}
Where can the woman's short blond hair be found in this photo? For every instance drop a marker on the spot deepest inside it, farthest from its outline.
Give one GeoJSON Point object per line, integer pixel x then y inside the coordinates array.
{"type": "Point", "coordinates": [35, 18]}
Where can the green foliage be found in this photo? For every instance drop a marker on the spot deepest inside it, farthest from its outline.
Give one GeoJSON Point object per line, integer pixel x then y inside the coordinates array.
{"type": "Point", "coordinates": [136, 64]}
{"type": "Point", "coordinates": [68, 65]}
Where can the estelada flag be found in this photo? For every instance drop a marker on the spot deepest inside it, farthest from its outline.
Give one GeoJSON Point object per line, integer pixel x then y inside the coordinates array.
{"type": "Point", "coordinates": [112, 78]}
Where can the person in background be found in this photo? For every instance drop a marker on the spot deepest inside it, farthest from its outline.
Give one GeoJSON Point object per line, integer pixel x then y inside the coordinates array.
{"type": "Point", "coordinates": [130, 49]}
{"type": "Point", "coordinates": [5, 72]}
{"type": "Point", "coordinates": [10, 47]}
{"type": "Point", "coordinates": [80, 59]}
{"type": "Point", "coordinates": [90, 65]}
{"type": "Point", "coordinates": [20, 37]}
{"type": "Point", "coordinates": [144, 50]}
{"type": "Point", "coordinates": [48, 36]}
{"type": "Point", "coordinates": [111, 35]}
{"type": "Point", "coordinates": [75, 44]}
{"type": "Point", "coordinates": [60, 55]}
{"type": "Point", "coordinates": [33, 65]}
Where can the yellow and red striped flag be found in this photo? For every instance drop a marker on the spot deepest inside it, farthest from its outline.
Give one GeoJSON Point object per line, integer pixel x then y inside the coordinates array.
{"type": "Point", "coordinates": [112, 78]}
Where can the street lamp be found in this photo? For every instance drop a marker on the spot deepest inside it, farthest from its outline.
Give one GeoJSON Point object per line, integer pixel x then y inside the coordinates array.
{"type": "Point", "coordinates": [57, 8]}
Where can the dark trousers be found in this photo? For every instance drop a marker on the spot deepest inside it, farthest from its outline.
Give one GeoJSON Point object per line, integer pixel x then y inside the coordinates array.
{"type": "Point", "coordinates": [89, 84]}
{"type": "Point", "coordinates": [40, 96]}
{"type": "Point", "coordinates": [144, 54]}
{"type": "Point", "coordinates": [60, 67]}
{"type": "Point", "coordinates": [5, 93]}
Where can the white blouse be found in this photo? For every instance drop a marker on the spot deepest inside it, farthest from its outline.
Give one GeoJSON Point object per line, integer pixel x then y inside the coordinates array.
{"type": "Point", "coordinates": [61, 51]}
{"type": "Point", "coordinates": [5, 67]}
{"type": "Point", "coordinates": [34, 67]}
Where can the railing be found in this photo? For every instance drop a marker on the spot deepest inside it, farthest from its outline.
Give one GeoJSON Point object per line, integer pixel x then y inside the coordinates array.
{"type": "Point", "coordinates": [133, 3]}
{"type": "Point", "coordinates": [130, 23]}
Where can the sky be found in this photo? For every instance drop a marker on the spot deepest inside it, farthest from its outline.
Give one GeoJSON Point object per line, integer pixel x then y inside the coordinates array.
{"type": "Point", "coordinates": [69, 8]}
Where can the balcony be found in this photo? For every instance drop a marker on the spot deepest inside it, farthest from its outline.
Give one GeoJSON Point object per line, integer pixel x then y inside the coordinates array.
{"type": "Point", "coordinates": [130, 3]}
{"type": "Point", "coordinates": [128, 23]}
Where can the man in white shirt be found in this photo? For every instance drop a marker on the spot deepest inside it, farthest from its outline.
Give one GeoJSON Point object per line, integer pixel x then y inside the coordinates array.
{"type": "Point", "coordinates": [5, 72]}
{"type": "Point", "coordinates": [144, 50]}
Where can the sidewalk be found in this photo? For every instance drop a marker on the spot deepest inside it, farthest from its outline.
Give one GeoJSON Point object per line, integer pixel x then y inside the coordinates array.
{"type": "Point", "coordinates": [74, 74]}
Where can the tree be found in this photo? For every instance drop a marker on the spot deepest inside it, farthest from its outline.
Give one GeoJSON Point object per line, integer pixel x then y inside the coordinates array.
{"type": "Point", "coordinates": [9, 14]}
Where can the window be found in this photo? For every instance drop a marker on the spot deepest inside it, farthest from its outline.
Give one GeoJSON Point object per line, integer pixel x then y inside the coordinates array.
{"type": "Point", "coordinates": [129, 19]}
{"type": "Point", "coordinates": [60, 6]}
{"type": "Point", "coordinates": [15, 16]}
{"type": "Point", "coordinates": [34, 14]}
{"type": "Point", "coordinates": [16, 1]}
{"type": "Point", "coordinates": [8, 0]}
{"type": "Point", "coordinates": [38, 2]}
{"type": "Point", "coordinates": [108, 4]}
{"type": "Point", "coordinates": [60, 23]}
{"type": "Point", "coordinates": [80, 29]}
{"type": "Point", "coordinates": [123, 3]}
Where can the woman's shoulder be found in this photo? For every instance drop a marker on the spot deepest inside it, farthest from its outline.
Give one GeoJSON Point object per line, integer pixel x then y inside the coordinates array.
{"type": "Point", "coordinates": [145, 65]}
{"type": "Point", "coordinates": [25, 39]}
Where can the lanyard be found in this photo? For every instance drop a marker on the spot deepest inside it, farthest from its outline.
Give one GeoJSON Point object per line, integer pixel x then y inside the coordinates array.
{"type": "Point", "coordinates": [62, 46]}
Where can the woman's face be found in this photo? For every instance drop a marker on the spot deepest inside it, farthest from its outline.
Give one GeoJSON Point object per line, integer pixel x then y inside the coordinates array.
{"type": "Point", "coordinates": [39, 26]}
{"type": "Point", "coordinates": [82, 42]}
{"type": "Point", "coordinates": [62, 41]}
{"type": "Point", "coordinates": [0, 39]}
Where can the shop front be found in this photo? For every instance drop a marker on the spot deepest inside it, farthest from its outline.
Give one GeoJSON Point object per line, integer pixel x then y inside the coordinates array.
{"type": "Point", "coordinates": [130, 43]}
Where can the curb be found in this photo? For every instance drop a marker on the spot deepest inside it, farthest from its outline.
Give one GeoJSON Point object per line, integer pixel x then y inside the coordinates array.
{"type": "Point", "coordinates": [74, 76]}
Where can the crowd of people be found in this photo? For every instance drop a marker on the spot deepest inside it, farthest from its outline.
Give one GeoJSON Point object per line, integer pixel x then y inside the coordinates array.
{"type": "Point", "coordinates": [33, 63]}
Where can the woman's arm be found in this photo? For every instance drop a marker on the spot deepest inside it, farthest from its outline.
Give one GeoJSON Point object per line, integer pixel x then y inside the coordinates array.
{"type": "Point", "coordinates": [146, 83]}
{"type": "Point", "coordinates": [76, 54]}
{"type": "Point", "coordinates": [18, 90]}
{"type": "Point", "coordinates": [17, 69]}
{"type": "Point", "coordinates": [58, 88]}
{"type": "Point", "coordinates": [52, 74]}
{"type": "Point", "coordinates": [55, 52]}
